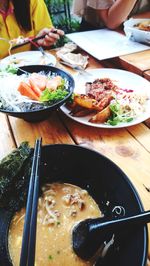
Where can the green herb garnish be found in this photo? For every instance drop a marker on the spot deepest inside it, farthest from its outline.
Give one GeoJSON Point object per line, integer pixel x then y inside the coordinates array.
{"type": "Point", "coordinates": [117, 116]}
{"type": "Point", "coordinates": [53, 96]}
{"type": "Point", "coordinates": [50, 257]}
{"type": "Point", "coordinates": [10, 69]}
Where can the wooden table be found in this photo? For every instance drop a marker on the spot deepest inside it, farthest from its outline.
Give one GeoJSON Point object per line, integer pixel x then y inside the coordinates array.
{"type": "Point", "coordinates": [147, 74]}
{"type": "Point", "coordinates": [128, 147]}
{"type": "Point", "coordinates": [138, 63]}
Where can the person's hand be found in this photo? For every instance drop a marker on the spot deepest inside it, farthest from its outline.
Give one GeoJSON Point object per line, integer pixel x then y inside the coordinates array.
{"type": "Point", "coordinates": [52, 36]}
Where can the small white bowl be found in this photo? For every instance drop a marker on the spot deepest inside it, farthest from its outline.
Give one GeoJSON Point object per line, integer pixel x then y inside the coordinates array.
{"type": "Point", "coordinates": [134, 33]}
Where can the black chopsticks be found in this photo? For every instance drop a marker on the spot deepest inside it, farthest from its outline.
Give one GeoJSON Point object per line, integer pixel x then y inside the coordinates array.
{"type": "Point", "coordinates": [29, 41]}
{"type": "Point", "coordinates": [29, 233]}
{"type": "Point", "coordinates": [32, 40]}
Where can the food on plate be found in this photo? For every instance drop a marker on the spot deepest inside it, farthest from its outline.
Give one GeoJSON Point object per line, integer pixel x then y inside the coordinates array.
{"type": "Point", "coordinates": [21, 93]}
{"type": "Point", "coordinates": [101, 116]}
{"type": "Point", "coordinates": [17, 60]}
{"type": "Point", "coordinates": [17, 41]}
{"type": "Point", "coordinates": [144, 25]}
{"type": "Point", "coordinates": [107, 103]}
{"type": "Point", "coordinates": [86, 101]}
{"type": "Point", "coordinates": [60, 207]}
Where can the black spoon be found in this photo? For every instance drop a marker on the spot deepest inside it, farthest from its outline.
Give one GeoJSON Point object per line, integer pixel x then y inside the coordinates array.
{"type": "Point", "coordinates": [89, 235]}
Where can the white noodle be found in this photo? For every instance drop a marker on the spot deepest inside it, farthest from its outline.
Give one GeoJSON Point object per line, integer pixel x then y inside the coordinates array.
{"type": "Point", "coordinates": [20, 219]}
{"type": "Point", "coordinates": [9, 94]}
{"type": "Point", "coordinates": [51, 213]}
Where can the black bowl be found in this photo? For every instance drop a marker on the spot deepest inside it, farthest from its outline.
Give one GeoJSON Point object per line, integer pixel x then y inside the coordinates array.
{"type": "Point", "coordinates": [42, 114]}
{"type": "Point", "coordinates": [106, 183]}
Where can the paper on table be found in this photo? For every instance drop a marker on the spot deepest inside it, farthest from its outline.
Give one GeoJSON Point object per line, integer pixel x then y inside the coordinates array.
{"type": "Point", "coordinates": [104, 43]}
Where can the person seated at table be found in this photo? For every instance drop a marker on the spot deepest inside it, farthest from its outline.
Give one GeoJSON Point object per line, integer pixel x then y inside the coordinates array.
{"type": "Point", "coordinates": [110, 13]}
{"type": "Point", "coordinates": [27, 18]}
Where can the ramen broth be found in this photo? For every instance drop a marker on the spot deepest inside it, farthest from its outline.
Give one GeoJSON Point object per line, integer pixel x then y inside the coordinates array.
{"type": "Point", "coordinates": [60, 207]}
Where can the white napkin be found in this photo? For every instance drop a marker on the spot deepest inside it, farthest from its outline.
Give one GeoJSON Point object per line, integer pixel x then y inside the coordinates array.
{"type": "Point", "coordinates": [76, 60]}
{"type": "Point", "coordinates": [67, 48]}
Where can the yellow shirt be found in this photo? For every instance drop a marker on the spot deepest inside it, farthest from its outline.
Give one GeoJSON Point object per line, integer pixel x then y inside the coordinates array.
{"type": "Point", "coordinates": [9, 28]}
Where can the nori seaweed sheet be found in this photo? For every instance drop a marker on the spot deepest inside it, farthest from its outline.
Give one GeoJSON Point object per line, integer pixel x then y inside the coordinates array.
{"type": "Point", "coordinates": [15, 171]}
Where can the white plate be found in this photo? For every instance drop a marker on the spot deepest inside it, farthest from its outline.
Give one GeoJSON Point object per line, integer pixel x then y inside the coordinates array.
{"type": "Point", "coordinates": [123, 79]}
{"type": "Point", "coordinates": [29, 58]}
{"type": "Point", "coordinates": [134, 33]}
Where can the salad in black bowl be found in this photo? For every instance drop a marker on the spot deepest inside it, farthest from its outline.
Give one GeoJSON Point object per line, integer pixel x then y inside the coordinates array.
{"type": "Point", "coordinates": [32, 92]}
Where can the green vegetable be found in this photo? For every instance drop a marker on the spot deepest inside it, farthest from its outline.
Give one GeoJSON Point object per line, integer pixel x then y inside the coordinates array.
{"type": "Point", "coordinates": [14, 177]}
{"type": "Point", "coordinates": [50, 257]}
{"type": "Point", "coordinates": [62, 86]}
{"type": "Point", "coordinates": [10, 69]}
{"type": "Point", "coordinates": [53, 96]}
{"type": "Point", "coordinates": [117, 116]}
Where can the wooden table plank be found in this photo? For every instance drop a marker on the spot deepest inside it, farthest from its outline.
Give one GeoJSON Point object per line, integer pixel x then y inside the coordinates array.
{"type": "Point", "coordinates": [142, 133]}
{"type": "Point", "coordinates": [51, 131]}
{"type": "Point", "coordinates": [6, 138]}
{"type": "Point", "coordinates": [136, 62]}
{"type": "Point", "coordinates": [147, 123]}
{"type": "Point", "coordinates": [146, 74]}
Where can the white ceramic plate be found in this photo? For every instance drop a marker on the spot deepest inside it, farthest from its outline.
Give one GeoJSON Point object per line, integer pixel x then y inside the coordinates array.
{"type": "Point", "coordinates": [123, 79]}
{"type": "Point", "coordinates": [134, 33]}
{"type": "Point", "coordinates": [29, 58]}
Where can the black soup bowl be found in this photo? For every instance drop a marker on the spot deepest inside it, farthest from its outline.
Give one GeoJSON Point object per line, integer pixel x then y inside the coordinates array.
{"type": "Point", "coordinates": [37, 115]}
{"type": "Point", "coordinates": [106, 183]}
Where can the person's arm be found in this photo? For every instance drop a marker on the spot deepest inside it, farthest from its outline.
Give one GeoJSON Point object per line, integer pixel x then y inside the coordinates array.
{"type": "Point", "coordinates": [117, 13]}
